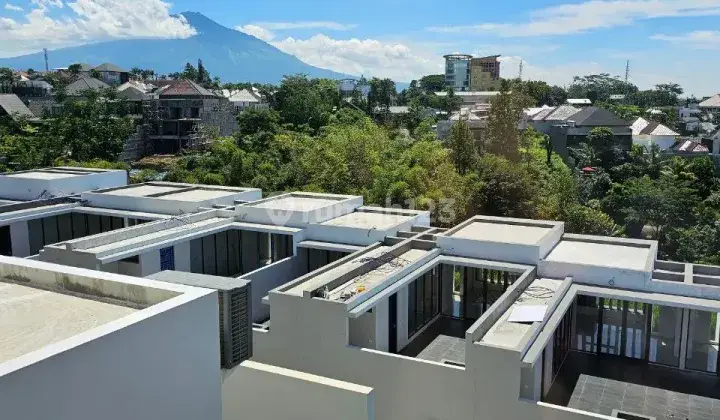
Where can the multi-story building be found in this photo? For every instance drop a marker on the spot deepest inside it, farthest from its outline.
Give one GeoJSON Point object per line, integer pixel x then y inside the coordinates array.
{"type": "Point", "coordinates": [485, 73]}
{"type": "Point", "coordinates": [457, 71]}
{"type": "Point", "coordinates": [356, 312]}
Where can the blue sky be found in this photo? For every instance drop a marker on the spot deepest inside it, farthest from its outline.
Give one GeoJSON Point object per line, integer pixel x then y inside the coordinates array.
{"type": "Point", "coordinates": [665, 40]}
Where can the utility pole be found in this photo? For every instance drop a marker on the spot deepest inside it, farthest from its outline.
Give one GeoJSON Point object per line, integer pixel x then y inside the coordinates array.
{"type": "Point", "coordinates": [627, 86]}
{"type": "Point", "coordinates": [47, 67]}
{"type": "Point", "coordinates": [520, 72]}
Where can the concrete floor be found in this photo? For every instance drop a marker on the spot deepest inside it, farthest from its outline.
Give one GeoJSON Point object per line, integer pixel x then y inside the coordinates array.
{"type": "Point", "coordinates": [601, 384]}
{"type": "Point", "coordinates": [443, 340]}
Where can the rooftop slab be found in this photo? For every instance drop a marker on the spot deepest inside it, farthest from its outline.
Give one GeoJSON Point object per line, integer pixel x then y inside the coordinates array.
{"type": "Point", "coordinates": [516, 234]}
{"type": "Point", "coordinates": [367, 225]}
{"type": "Point", "coordinates": [298, 209]}
{"type": "Point", "coordinates": [608, 255]}
{"type": "Point", "coordinates": [296, 203]}
{"type": "Point", "coordinates": [169, 198]}
{"type": "Point", "coordinates": [142, 190]}
{"type": "Point", "coordinates": [368, 220]}
{"type": "Point", "coordinates": [507, 334]}
{"type": "Point", "coordinates": [57, 182]}
{"type": "Point", "coordinates": [34, 318]}
{"type": "Point", "coordinates": [521, 241]}
{"type": "Point", "coordinates": [42, 175]}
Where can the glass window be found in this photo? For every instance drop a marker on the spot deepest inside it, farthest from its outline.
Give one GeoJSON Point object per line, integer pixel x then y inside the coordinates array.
{"type": "Point", "coordinates": [665, 335]}
{"type": "Point", "coordinates": [702, 344]}
{"type": "Point", "coordinates": [586, 324]}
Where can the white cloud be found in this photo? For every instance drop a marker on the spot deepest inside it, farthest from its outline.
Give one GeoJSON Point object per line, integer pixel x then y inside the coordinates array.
{"type": "Point", "coordinates": [257, 31]}
{"type": "Point", "coordinates": [266, 30]}
{"type": "Point", "coordinates": [329, 25]}
{"type": "Point", "coordinates": [92, 21]}
{"type": "Point", "coordinates": [595, 14]}
{"type": "Point", "coordinates": [705, 40]}
{"type": "Point", "coordinates": [13, 8]}
{"type": "Point", "coordinates": [397, 61]}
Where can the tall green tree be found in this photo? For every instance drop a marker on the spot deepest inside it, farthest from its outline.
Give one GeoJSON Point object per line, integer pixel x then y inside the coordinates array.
{"type": "Point", "coordinates": [462, 147]}
{"type": "Point", "coordinates": [502, 136]}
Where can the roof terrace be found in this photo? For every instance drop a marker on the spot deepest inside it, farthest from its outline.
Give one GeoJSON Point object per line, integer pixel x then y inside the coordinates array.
{"type": "Point", "coordinates": [298, 209]}
{"type": "Point", "coordinates": [56, 182]}
{"type": "Point", "coordinates": [169, 198]}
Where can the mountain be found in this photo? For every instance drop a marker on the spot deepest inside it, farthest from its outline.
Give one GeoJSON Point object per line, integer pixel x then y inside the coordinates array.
{"type": "Point", "coordinates": [227, 53]}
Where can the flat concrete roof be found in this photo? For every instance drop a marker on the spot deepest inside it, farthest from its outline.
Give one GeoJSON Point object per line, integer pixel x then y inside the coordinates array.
{"type": "Point", "coordinates": [368, 220]}
{"type": "Point", "coordinates": [323, 278]}
{"type": "Point", "coordinates": [296, 203]}
{"type": "Point", "coordinates": [42, 175]}
{"type": "Point", "coordinates": [142, 190]}
{"type": "Point", "coordinates": [367, 281]}
{"type": "Point", "coordinates": [34, 318]}
{"type": "Point", "coordinates": [510, 334]}
{"type": "Point", "coordinates": [199, 194]}
{"type": "Point", "coordinates": [501, 232]}
{"type": "Point", "coordinates": [601, 254]}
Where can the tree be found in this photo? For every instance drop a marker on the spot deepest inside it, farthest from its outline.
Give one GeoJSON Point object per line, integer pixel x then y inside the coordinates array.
{"type": "Point", "coordinates": [657, 203]}
{"type": "Point", "coordinates": [539, 91]}
{"type": "Point", "coordinates": [415, 115]}
{"type": "Point", "coordinates": [433, 83]}
{"type": "Point", "coordinates": [462, 147]}
{"type": "Point", "coordinates": [75, 69]}
{"type": "Point", "coordinates": [189, 72]}
{"type": "Point", "coordinates": [450, 102]}
{"type": "Point", "coordinates": [7, 79]}
{"type": "Point", "coordinates": [502, 136]}
{"type": "Point", "coordinates": [558, 96]}
{"type": "Point", "coordinates": [503, 188]}
{"type": "Point", "coordinates": [203, 76]}
{"type": "Point", "coordinates": [599, 87]}
{"type": "Point", "coordinates": [136, 71]}
{"type": "Point", "coordinates": [382, 93]}
{"type": "Point", "coordinates": [588, 221]}
{"type": "Point", "coordinates": [302, 101]}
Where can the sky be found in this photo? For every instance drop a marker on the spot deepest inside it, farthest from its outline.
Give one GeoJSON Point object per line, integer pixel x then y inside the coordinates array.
{"type": "Point", "coordinates": [665, 40]}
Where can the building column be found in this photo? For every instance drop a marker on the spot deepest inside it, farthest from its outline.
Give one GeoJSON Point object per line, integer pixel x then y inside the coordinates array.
{"type": "Point", "coordinates": [446, 284]}
{"type": "Point", "coordinates": [684, 335]}
{"type": "Point", "coordinates": [382, 325]}
{"type": "Point", "coordinates": [182, 257]}
{"type": "Point", "coordinates": [402, 318]}
{"type": "Point", "coordinates": [20, 239]}
{"type": "Point", "coordinates": [149, 263]}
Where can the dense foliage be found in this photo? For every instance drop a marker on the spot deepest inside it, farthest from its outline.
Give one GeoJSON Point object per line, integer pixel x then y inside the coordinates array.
{"type": "Point", "coordinates": [313, 139]}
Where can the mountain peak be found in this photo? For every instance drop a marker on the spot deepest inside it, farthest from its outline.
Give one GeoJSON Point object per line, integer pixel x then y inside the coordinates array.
{"type": "Point", "coordinates": [202, 23]}
{"type": "Point", "coordinates": [229, 54]}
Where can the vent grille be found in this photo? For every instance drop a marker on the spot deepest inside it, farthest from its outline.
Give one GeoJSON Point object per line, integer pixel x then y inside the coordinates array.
{"type": "Point", "coordinates": [240, 325]}
{"type": "Point", "coordinates": [235, 326]}
{"type": "Point", "coordinates": [221, 299]}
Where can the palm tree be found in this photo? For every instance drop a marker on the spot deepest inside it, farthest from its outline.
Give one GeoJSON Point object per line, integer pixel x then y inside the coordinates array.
{"type": "Point", "coordinates": [677, 169]}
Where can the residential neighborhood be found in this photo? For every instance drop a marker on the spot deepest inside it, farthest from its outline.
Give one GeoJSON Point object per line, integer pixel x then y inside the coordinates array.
{"type": "Point", "coordinates": [285, 210]}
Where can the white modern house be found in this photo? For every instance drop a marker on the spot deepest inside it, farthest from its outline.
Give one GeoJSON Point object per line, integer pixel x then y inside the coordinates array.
{"type": "Point", "coordinates": [647, 133]}
{"type": "Point", "coordinates": [46, 206]}
{"type": "Point", "coordinates": [80, 344]}
{"type": "Point", "coordinates": [330, 309]}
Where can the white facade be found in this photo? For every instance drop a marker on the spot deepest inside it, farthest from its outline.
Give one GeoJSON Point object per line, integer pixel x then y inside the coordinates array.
{"type": "Point", "coordinates": [57, 182]}
{"type": "Point", "coordinates": [371, 313]}
{"type": "Point", "coordinates": [75, 370]}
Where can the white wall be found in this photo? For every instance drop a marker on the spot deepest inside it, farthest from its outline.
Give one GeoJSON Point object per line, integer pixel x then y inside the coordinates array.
{"type": "Point", "coordinates": [311, 335]}
{"type": "Point", "coordinates": [267, 278]}
{"type": "Point", "coordinates": [165, 367]}
{"type": "Point", "coordinates": [20, 239]}
{"type": "Point", "coordinates": [274, 393]}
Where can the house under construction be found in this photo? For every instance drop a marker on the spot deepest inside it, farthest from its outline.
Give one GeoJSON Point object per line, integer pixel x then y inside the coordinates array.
{"type": "Point", "coordinates": [175, 115]}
